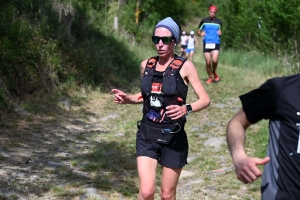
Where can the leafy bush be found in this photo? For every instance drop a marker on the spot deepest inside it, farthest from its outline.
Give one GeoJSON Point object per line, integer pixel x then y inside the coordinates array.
{"type": "Point", "coordinates": [139, 17]}
{"type": "Point", "coordinates": [266, 26]}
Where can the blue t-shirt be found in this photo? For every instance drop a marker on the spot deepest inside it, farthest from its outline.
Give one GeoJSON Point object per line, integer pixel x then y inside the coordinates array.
{"type": "Point", "coordinates": [211, 27]}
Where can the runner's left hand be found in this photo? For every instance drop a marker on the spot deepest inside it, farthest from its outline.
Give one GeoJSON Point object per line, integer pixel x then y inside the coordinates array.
{"type": "Point", "coordinates": [175, 111]}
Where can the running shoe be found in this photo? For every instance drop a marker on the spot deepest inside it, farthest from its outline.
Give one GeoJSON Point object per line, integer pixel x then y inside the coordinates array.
{"type": "Point", "coordinates": [216, 77]}
{"type": "Point", "coordinates": [210, 80]}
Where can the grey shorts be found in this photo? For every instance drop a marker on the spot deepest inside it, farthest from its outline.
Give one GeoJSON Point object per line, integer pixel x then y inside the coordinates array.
{"type": "Point", "coordinates": [173, 155]}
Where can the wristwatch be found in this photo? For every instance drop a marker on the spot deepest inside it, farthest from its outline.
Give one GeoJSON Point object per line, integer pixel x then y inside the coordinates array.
{"type": "Point", "coordinates": [189, 108]}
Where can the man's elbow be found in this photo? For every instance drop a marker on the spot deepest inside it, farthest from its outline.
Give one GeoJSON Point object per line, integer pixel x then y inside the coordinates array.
{"type": "Point", "coordinates": [230, 124]}
{"type": "Point", "coordinates": [207, 102]}
{"type": "Point", "coordinates": [239, 121]}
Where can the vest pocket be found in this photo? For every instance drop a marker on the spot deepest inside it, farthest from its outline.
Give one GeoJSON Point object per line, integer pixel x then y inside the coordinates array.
{"type": "Point", "coordinates": [159, 135]}
{"type": "Point", "coordinates": [156, 116]}
{"type": "Point", "coordinates": [146, 83]}
{"type": "Point", "coordinates": [169, 85]}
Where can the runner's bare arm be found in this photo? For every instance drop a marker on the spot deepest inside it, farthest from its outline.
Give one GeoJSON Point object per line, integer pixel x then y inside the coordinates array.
{"type": "Point", "coordinates": [245, 166]}
{"type": "Point", "coordinates": [123, 98]}
{"type": "Point", "coordinates": [199, 32]}
{"type": "Point", "coordinates": [236, 134]}
{"type": "Point", "coordinates": [196, 41]}
{"type": "Point", "coordinates": [189, 73]}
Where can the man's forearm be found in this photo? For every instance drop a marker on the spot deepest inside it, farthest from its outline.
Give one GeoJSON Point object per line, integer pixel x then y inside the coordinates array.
{"type": "Point", "coordinates": [236, 138]}
{"type": "Point", "coordinates": [236, 134]}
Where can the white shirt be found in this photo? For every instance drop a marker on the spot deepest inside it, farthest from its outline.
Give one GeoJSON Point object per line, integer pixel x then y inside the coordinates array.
{"type": "Point", "coordinates": [191, 43]}
{"type": "Point", "coordinates": [184, 39]}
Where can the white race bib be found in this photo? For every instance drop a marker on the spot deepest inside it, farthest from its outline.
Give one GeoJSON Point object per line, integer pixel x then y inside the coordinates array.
{"type": "Point", "coordinates": [155, 102]}
{"type": "Point", "coordinates": [210, 45]}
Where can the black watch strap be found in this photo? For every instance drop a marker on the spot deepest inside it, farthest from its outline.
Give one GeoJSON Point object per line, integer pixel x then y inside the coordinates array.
{"type": "Point", "coordinates": [189, 108]}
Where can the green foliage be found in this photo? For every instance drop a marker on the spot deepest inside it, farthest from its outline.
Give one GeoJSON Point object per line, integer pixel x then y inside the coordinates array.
{"type": "Point", "coordinates": [150, 12]}
{"type": "Point", "coordinates": [27, 58]}
{"type": "Point", "coordinates": [4, 104]}
{"type": "Point", "coordinates": [260, 140]}
{"type": "Point", "coordinates": [46, 43]}
{"type": "Point", "coordinates": [268, 26]}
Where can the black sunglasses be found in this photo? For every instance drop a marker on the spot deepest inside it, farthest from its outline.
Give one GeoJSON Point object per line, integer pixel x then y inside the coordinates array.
{"type": "Point", "coordinates": [165, 40]}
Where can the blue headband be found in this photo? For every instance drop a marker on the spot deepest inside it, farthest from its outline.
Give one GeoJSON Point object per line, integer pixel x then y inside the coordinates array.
{"type": "Point", "coordinates": [171, 25]}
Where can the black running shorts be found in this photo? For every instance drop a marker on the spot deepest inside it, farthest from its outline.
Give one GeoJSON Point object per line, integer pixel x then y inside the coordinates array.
{"type": "Point", "coordinates": [217, 47]}
{"type": "Point", "coordinates": [173, 155]}
{"type": "Point", "coordinates": [183, 46]}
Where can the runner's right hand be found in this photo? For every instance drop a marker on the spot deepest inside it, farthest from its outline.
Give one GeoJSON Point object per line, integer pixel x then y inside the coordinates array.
{"type": "Point", "coordinates": [120, 97]}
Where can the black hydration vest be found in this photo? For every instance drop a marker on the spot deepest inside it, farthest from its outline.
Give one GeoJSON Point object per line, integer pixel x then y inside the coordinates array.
{"type": "Point", "coordinates": [159, 89]}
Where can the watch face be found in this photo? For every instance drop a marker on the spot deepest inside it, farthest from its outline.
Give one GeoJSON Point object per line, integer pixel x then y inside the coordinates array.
{"type": "Point", "coordinates": [189, 108]}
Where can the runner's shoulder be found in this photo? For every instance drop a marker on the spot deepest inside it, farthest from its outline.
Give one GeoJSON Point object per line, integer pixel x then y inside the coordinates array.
{"type": "Point", "coordinates": [187, 65]}
{"type": "Point", "coordinates": [218, 21]}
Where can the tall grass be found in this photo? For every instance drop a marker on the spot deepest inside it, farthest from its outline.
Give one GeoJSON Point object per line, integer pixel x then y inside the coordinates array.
{"type": "Point", "coordinates": [254, 60]}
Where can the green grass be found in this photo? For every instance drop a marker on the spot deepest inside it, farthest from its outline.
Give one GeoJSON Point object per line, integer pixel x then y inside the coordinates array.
{"type": "Point", "coordinates": [253, 60]}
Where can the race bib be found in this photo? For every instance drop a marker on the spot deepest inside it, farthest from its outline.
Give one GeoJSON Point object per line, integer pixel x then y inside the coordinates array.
{"type": "Point", "coordinates": [155, 101]}
{"type": "Point", "coordinates": [210, 45]}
